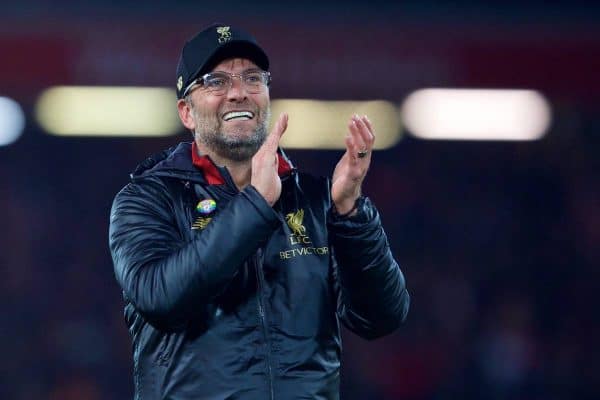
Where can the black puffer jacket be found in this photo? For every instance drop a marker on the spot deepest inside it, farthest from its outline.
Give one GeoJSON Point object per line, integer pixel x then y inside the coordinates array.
{"type": "Point", "coordinates": [244, 301]}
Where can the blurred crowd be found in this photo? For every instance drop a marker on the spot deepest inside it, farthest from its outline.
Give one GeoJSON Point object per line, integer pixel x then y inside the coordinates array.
{"type": "Point", "coordinates": [498, 243]}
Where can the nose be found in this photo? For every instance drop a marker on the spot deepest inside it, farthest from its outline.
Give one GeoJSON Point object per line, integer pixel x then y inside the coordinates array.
{"type": "Point", "coordinates": [237, 90]}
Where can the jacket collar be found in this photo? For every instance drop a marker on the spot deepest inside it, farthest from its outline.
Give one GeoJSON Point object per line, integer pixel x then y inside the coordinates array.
{"type": "Point", "coordinates": [213, 175]}
{"type": "Point", "coordinates": [184, 162]}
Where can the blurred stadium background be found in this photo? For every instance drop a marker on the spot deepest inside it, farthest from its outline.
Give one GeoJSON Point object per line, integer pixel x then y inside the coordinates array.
{"type": "Point", "coordinates": [497, 226]}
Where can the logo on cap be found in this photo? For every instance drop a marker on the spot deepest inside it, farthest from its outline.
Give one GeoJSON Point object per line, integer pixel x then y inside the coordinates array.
{"type": "Point", "coordinates": [224, 34]}
{"type": "Point", "coordinates": [179, 82]}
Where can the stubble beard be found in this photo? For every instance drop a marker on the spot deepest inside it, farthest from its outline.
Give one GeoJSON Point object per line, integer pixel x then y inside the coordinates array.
{"type": "Point", "coordinates": [234, 144]}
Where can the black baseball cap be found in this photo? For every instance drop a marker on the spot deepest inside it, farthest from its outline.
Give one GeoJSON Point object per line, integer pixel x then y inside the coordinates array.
{"type": "Point", "coordinates": [212, 45]}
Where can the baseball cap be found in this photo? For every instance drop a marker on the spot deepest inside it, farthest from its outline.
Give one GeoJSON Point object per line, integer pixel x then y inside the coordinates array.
{"type": "Point", "coordinates": [213, 45]}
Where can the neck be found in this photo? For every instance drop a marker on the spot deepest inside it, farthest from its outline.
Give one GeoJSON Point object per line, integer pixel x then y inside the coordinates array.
{"type": "Point", "coordinates": [240, 171]}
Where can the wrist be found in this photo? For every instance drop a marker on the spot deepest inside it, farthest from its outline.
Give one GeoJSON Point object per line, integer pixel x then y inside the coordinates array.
{"type": "Point", "coordinates": [346, 203]}
{"type": "Point", "coordinates": [347, 208]}
{"type": "Point", "coordinates": [343, 207]}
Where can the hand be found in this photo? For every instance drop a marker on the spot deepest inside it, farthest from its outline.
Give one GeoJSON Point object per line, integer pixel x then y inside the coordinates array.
{"type": "Point", "coordinates": [265, 162]}
{"type": "Point", "coordinates": [351, 170]}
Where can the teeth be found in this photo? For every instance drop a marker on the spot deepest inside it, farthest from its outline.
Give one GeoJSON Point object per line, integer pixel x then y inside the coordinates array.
{"type": "Point", "coordinates": [238, 114]}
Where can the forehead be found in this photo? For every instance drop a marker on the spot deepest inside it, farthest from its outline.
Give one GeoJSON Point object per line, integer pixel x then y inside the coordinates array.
{"type": "Point", "coordinates": [234, 65]}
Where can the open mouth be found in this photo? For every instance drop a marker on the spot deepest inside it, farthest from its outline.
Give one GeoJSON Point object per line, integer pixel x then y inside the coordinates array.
{"type": "Point", "coordinates": [238, 115]}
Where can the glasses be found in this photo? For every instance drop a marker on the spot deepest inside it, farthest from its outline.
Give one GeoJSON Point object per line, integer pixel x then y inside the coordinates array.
{"type": "Point", "coordinates": [218, 83]}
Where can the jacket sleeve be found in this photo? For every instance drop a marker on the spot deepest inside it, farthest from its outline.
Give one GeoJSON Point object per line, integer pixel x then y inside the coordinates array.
{"type": "Point", "coordinates": [166, 278]}
{"type": "Point", "coordinates": [372, 296]}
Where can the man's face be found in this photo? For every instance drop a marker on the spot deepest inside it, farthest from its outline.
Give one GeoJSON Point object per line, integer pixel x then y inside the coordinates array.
{"type": "Point", "coordinates": [235, 139]}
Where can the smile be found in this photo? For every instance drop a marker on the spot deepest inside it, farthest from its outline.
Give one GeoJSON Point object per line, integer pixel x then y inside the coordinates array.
{"type": "Point", "coordinates": [239, 115]}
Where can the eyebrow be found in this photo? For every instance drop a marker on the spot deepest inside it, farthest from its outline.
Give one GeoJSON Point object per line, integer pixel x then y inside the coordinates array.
{"type": "Point", "coordinates": [246, 70]}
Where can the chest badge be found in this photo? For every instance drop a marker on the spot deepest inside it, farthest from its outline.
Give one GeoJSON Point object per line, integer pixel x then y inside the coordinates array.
{"type": "Point", "coordinates": [205, 208]}
{"type": "Point", "coordinates": [294, 221]}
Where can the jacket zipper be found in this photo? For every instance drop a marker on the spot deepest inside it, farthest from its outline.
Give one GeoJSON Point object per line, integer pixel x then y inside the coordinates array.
{"type": "Point", "coordinates": [263, 319]}
{"type": "Point", "coordinates": [260, 278]}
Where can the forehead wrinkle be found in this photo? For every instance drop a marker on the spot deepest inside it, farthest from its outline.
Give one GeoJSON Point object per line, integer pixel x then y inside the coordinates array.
{"type": "Point", "coordinates": [230, 65]}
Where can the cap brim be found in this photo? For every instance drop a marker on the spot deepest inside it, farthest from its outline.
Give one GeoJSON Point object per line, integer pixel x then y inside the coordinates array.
{"type": "Point", "coordinates": [235, 49]}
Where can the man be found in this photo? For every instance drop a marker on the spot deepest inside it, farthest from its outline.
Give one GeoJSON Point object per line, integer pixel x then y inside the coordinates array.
{"type": "Point", "coordinates": [235, 268]}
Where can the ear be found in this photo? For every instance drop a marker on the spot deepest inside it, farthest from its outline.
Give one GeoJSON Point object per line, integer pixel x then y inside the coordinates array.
{"type": "Point", "coordinates": [185, 115]}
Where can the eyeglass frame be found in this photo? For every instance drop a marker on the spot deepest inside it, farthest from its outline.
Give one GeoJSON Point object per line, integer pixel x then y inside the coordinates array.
{"type": "Point", "coordinates": [197, 81]}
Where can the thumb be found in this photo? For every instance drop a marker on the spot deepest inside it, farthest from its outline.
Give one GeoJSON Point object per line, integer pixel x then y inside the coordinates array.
{"type": "Point", "coordinates": [277, 132]}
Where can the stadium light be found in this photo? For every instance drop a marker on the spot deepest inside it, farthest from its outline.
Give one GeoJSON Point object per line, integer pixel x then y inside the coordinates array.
{"type": "Point", "coordinates": [315, 124]}
{"type": "Point", "coordinates": [476, 114]}
{"type": "Point", "coordinates": [12, 121]}
{"type": "Point", "coordinates": [108, 111]}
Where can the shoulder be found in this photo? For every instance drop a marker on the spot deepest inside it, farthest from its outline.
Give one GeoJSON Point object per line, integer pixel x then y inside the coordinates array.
{"type": "Point", "coordinates": [151, 193]}
{"type": "Point", "coordinates": [150, 186]}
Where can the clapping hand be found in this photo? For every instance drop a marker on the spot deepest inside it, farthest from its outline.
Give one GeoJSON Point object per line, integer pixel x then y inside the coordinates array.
{"type": "Point", "coordinates": [265, 162]}
{"type": "Point", "coordinates": [352, 168]}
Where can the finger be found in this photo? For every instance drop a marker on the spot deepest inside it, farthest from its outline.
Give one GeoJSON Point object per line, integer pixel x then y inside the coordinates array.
{"type": "Point", "coordinates": [367, 122]}
{"type": "Point", "coordinates": [364, 132]}
{"type": "Point", "coordinates": [359, 142]}
{"type": "Point", "coordinates": [272, 141]}
{"type": "Point", "coordinates": [351, 148]}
